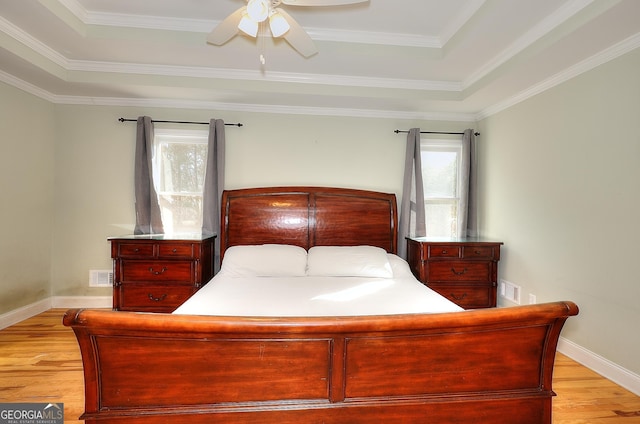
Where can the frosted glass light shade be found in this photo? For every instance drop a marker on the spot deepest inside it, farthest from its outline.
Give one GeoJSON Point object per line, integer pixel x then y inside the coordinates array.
{"type": "Point", "coordinates": [248, 26]}
{"type": "Point", "coordinates": [258, 10]}
{"type": "Point", "coordinates": [278, 24]}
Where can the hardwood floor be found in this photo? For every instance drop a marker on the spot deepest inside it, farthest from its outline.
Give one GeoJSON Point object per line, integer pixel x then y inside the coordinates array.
{"type": "Point", "coordinates": [40, 362]}
{"type": "Point", "coordinates": [585, 397]}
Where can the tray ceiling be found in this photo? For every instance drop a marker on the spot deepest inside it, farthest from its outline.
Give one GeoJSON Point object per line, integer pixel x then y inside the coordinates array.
{"type": "Point", "coordinates": [407, 59]}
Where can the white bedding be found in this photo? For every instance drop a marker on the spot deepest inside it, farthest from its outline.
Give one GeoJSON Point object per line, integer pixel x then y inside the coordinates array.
{"type": "Point", "coordinates": [228, 294]}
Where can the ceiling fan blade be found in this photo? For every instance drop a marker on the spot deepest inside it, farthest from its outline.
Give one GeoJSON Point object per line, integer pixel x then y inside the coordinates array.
{"type": "Point", "coordinates": [321, 2]}
{"type": "Point", "coordinates": [226, 29]}
{"type": "Point", "coordinates": [298, 37]}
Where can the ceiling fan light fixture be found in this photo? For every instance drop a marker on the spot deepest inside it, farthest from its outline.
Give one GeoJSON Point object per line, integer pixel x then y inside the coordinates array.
{"type": "Point", "coordinates": [258, 10]}
{"type": "Point", "coordinates": [247, 20]}
{"type": "Point", "coordinates": [278, 24]}
{"type": "Point", "coordinates": [248, 25]}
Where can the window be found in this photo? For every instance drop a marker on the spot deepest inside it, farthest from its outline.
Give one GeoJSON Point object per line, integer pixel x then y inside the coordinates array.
{"type": "Point", "coordinates": [179, 163]}
{"type": "Point", "coordinates": [441, 180]}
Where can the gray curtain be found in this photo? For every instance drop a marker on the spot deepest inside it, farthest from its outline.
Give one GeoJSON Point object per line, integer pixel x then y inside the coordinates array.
{"type": "Point", "coordinates": [468, 210]}
{"type": "Point", "coordinates": [148, 219]}
{"type": "Point", "coordinates": [214, 184]}
{"type": "Point", "coordinates": [412, 216]}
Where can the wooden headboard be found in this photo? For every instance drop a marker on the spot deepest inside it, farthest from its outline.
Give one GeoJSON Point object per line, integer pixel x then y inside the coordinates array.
{"type": "Point", "coordinates": [308, 216]}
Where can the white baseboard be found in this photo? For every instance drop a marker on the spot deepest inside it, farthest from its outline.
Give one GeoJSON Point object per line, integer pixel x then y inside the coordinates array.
{"type": "Point", "coordinates": [81, 302]}
{"type": "Point", "coordinates": [20, 314]}
{"type": "Point", "coordinates": [600, 365]}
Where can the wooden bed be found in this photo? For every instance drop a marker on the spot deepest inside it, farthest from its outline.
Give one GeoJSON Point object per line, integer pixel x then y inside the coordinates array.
{"type": "Point", "coordinates": [483, 366]}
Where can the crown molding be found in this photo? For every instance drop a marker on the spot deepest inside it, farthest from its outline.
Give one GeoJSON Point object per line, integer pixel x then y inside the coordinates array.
{"type": "Point", "coordinates": [263, 108]}
{"type": "Point", "coordinates": [205, 26]}
{"type": "Point", "coordinates": [456, 25]}
{"type": "Point", "coordinates": [570, 9]}
{"type": "Point", "coordinates": [27, 87]}
{"type": "Point", "coordinates": [239, 107]}
{"type": "Point", "coordinates": [33, 43]}
{"type": "Point", "coordinates": [231, 74]}
{"type": "Point", "coordinates": [149, 22]}
{"type": "Point", "coordinates": [601, 58]}
{"type": "Point", "coordinates": [245, 75]}
{"type": "Point", "coordinates": [372, 37]}
{"type": "Point", "coordinates": [605, 56]}
{"type": "Point", "coordinates": [76, 8]}
{"type": "Point", "coordinates": [565, 12]}
{"type": "Point", "coordinates": [561, 15]}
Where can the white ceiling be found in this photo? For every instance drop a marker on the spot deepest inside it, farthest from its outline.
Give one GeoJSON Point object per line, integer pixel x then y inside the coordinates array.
{"type": "Point", "coordinates": [413, 59]}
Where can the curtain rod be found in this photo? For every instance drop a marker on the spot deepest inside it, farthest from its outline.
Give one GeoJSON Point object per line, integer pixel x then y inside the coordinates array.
{"type": "Point", "coordinates": [437, 132]}
{"type": "Point", "coordinates": [179, 122]}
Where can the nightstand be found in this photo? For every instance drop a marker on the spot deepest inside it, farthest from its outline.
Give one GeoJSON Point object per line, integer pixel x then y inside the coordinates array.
{"type": "Point", "coordinates": [157, 273]}
{"type": "Point", "coordinates": [462, 270]}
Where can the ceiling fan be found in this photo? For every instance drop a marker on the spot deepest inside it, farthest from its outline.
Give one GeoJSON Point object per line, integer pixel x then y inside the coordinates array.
{"type": "Point", "coordinates": [257, 12]}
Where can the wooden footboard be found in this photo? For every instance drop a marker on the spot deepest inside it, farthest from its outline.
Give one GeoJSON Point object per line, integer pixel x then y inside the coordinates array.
{"type": "Point", "coordinates": [485, 366]}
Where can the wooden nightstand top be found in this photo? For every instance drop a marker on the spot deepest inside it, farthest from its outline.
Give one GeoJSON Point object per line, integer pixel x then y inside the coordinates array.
{"type": "Point", "coordinates": [175, 237]}
{"type": "Point", "coordinates": [450, 240]}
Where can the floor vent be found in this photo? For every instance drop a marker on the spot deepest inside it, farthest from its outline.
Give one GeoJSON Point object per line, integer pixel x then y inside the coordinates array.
{"type": "Point", "coordinates": [510, 291]}
{"type": "Point", "coordinates": [100, 278]}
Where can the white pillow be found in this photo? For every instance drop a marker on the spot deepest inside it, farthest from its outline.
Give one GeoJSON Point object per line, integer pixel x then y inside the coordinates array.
{"type": "Point", "coordinates": [348, 261]}
{"type": "Point", "coordinates": [265, 260]}
{"type": "Point", "coordinates": [399, 267]}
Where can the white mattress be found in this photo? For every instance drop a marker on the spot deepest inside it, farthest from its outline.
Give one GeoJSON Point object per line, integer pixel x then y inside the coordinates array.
{"type": "Point", "coordinates": [307, 296]}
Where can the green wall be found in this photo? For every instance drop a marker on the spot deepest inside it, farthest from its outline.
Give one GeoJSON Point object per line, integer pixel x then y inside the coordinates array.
{"type": "Point", "coordinates": [561, 175]}
{"type": "Point", "coordinates": [89, 192]}
{"type": "Point", "coordinates": [27, 144]}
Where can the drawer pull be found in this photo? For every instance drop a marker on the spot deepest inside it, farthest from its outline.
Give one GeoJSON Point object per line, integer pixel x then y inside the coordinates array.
{"type": "Point", "coordinates": [458, 298]}
{"type": "Point", "coordinates": [445, 251]}
{"type": "Point", "coordinates": [174, 250]}
{"type": "Point", "coordinates": [164, 268]}
{"type": "Point", "coordinates": [157, 299]}
{"type": "Point", "coordinates": [458, 272]}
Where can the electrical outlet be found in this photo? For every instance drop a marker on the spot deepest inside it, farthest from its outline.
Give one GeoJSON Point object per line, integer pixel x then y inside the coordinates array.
{"type": "Point", "coordinates": [510, 291]}
{"type": "Point", "coordinates": [532, 299]}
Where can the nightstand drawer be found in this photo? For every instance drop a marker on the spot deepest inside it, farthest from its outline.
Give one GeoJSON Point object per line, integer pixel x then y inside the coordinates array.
{"type": "Point", "coordinates": [153, 297]}
{"type": "Point", "coordinates": [478, 252]}
{"type": "Point", "coordinates": [459, 271]}
{"type": "Point", "coordinates": [176, 250]}
{"type": "Point", "coordinates": [135, 250]}
{"type": "Point", "coordinates": [443, 251]}
{"type": "Point", "coordinates": [466, 296]}
{"type": "Point", "coordinates": [154, 271]}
